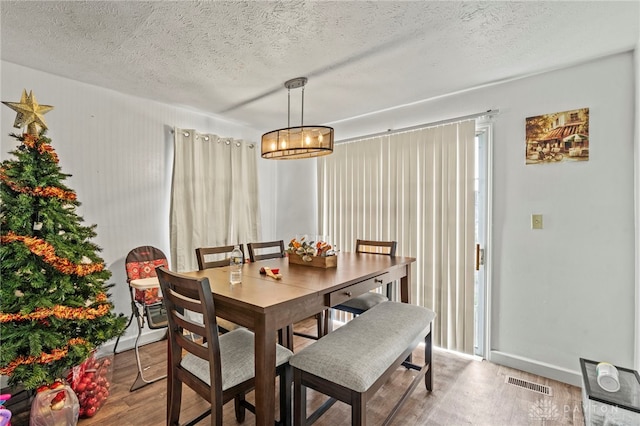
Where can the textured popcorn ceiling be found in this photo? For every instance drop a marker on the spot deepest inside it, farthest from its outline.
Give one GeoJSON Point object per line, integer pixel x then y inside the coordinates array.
{"type": "Point", "coordinates": [232, 58]}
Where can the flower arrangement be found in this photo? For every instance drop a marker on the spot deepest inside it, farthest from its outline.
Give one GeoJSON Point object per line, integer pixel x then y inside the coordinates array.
{"type": "Point", "coordinates": [309, 249]}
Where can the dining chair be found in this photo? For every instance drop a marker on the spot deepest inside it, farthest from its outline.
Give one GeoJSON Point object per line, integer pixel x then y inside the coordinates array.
{"type": "Point", "coordinates": [265, 250]}
{"type": "Point", "coordinates": [215, 257]}
{"type": "Point", "coordinates": [219, 368]}
{"type": "Point", "coordinates": [147, 304]}
{"type": "Point", "coordinates": [273, 250]}
{"type": "Point", "coordinates": [366, 301]}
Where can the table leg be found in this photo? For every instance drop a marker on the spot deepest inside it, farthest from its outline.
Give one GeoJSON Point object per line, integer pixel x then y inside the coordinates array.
{"type": "Point", "coordinates": [265, 364]}
{"type": "Point", "coordinates": [405, 290]}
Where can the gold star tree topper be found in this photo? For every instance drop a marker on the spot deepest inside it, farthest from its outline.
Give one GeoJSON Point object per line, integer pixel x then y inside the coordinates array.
{"type": "Point", "coordinates": [30, 113]}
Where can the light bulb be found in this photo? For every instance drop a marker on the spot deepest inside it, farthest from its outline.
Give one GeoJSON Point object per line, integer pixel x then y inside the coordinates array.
{"type": "Point", "coordinates": [273, 146]}
{"type": "Point", "coordinates": [283, 144]}
{"type": "Point", "coordinates": [320, 138]}
{"type": "Point", "coordinates": [307, 140]}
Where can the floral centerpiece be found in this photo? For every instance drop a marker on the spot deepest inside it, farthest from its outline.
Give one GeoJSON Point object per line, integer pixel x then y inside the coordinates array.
{"type": "Point", "coordinates": [312, 253]}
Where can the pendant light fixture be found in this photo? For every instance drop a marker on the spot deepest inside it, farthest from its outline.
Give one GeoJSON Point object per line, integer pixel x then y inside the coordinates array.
{"type": "Point", "coordinates": [302, 141]}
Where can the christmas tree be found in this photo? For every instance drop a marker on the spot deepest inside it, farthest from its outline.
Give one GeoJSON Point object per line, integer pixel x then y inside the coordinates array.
{"type": "Point", "coordinates": [54, 305]}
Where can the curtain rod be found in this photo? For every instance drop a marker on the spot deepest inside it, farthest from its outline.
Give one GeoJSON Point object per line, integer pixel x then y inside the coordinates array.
{"type": "Point", "coordinates": [420, 126]}
{"type": "Point", "coordinates": [225, 140]}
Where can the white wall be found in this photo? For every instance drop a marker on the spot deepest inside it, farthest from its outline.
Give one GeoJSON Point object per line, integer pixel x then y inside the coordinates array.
{"type": "Point", "coordinates": [297, 198]}
{"type": "Point", "coordinates": [566, 291]}
{"type": "Point", "coordinates": [119, 150]}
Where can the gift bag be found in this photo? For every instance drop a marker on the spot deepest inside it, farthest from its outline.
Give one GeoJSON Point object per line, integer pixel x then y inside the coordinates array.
{"type": "Point", "coordinates": [55, 405]}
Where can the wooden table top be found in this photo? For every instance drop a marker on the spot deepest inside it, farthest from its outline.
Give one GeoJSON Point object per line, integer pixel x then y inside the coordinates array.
{"type": "Point", "coordinates": [262, 292]}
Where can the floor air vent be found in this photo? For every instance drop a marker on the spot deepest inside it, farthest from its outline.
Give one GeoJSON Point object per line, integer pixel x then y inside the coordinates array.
{"type": "Point", "coordinates": [534, 387]}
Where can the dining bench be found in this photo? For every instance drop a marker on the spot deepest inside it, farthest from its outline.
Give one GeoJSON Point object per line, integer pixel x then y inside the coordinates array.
{"type": "Point", "coordinates": [351, 363]}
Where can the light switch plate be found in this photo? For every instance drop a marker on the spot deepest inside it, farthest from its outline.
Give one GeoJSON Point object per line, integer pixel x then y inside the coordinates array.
{"type": "Point", "coordinates": [536, 221]}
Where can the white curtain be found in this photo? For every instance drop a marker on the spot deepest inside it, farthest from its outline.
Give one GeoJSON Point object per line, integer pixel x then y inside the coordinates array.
{"type": "Point", "coordinates": [417, 188]}
{"type": "Point", "coordinates": [214, 194]}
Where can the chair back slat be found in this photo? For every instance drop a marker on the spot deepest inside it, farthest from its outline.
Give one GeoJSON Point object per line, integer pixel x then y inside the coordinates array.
{"type": "Point", "coordinates": [205, 255]}
{"type": "Point", "coordinates": [189, 325]}
{"type": "Point", "coordinates": [192, 347]}
{"type": "Point", "coordinates": [266, 250]}
{"type": "Point", "coordinates": [183, 302]}
{"type": "Point", "coordinates": [376, 247]}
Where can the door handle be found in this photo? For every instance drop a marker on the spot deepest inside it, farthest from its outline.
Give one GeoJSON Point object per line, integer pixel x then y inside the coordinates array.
{"type": "Point", "coordinates": [479, 257]}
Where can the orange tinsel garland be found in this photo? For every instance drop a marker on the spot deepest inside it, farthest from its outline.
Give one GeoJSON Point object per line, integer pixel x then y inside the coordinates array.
{"type": "Point", "coordinates": [38, 191]}
{"type": "Point", "coordinates": [43, 358]}
{"type": "Point", "coordinates": [58, 311]}
{"type": "Point", "coordinates": [45, 250]}
{"type": "Point", "coordinates": [31, 141]}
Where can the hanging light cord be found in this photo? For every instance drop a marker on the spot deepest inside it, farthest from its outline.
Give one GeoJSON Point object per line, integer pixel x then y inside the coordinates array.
{"type": "Point", "coordinates": [288, 107]}
{"type": "Point", "coordinates": [302, 114]}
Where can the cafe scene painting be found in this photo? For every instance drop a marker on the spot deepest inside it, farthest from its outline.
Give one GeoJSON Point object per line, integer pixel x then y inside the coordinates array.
{"type": "Point", "coordinates": [558, 137]}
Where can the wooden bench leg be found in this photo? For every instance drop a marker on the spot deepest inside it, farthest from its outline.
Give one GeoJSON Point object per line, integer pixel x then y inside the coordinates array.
{"type": "Point", "coordinates": [358, 409]}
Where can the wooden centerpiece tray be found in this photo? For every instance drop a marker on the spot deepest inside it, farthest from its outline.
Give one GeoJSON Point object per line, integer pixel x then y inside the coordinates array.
{"type": "Point", "coordinates": [316, 261]}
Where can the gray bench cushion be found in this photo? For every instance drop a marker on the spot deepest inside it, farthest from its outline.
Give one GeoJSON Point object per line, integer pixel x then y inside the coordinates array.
{"type": "Point", "coordinates": [237, 358]}
{"type": "Point", "coordinates": [360, 351]}
{"type": "Point", "coordinates": [365, 301]}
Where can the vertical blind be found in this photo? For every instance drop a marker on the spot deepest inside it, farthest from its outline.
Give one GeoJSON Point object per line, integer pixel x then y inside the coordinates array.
{"type": "Point", "coordinates": [416, 188]}
{"type": "Point", "coordinates": [214, 195]}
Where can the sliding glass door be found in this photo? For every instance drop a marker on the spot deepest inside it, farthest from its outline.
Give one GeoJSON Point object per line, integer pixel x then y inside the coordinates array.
{"type": "Point", "coordinates": [482, 231]}
{"type": "Point", "coordinates": [417, 188]}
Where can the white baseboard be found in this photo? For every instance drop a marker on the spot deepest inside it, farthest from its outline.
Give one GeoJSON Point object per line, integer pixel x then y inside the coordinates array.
{"type": "Point", "coordinates": [537, 367]}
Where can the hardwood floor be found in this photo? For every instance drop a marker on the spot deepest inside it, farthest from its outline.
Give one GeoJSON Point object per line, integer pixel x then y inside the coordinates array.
{"type": "Point", "coordinates": [466, 392]}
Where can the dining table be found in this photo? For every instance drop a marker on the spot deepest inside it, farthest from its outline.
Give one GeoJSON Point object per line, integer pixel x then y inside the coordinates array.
{"type": "Point", "coordinates": [265, 305]}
